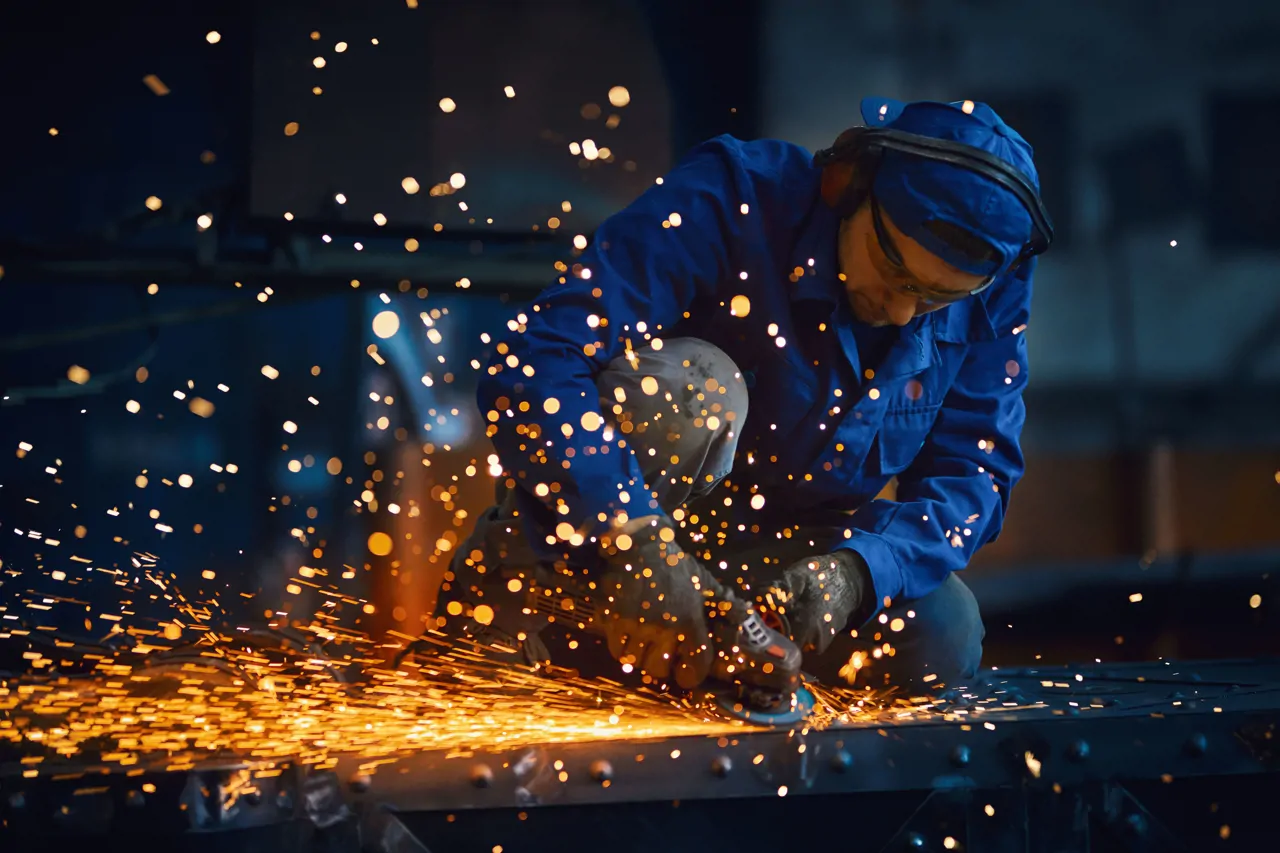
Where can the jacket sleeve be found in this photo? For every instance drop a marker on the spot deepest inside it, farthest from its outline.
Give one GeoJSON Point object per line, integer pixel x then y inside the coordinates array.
{"type": "Point", "coordinates": [645, 267]}
{"type": "Point", "coordinates": [953, 498]}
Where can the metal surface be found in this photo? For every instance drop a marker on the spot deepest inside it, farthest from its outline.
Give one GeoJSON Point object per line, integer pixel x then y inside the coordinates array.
{"type": "Point", "coordinates": [1168, 724]}
{"type": "Point", "coordinates": [1147, 756]}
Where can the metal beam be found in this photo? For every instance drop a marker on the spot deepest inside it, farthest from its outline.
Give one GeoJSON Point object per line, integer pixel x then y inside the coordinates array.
{"type": "Point", "coordinates": [506, 269]}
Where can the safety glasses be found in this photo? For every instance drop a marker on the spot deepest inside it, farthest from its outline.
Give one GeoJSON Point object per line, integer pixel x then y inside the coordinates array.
{"type": "Point", "coordinates": [907, 283]}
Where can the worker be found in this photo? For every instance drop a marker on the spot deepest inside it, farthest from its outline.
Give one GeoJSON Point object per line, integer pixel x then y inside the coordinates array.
{"type": "Point", "coordinates": [779, 383]}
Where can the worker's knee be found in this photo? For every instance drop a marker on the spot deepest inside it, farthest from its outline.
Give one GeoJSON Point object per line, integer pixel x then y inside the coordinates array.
{"type": "Point", "coordinates": [679, 407]}
{"type": "Point", "coordinates": [948, 634]}
{"type": "Point", "coordinates": [922, 644]}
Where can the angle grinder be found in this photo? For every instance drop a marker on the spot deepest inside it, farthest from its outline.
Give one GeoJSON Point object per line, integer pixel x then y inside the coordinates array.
{"type": "Point", "coordinates": [769, 689]}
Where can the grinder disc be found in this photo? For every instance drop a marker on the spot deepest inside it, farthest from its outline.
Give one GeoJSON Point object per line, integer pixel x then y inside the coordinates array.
{"type": "Point", "coordinates": [780, 713]}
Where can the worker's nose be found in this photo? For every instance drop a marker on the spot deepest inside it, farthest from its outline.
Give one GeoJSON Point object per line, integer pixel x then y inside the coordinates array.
{"type": "Point", "coordinates": [900, 308]}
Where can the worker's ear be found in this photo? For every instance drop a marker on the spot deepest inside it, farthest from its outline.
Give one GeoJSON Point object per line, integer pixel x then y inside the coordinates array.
{"type": "Point", "coordinates": [840, 189]}
{"type": "Point", "coordinates": [836, 178]}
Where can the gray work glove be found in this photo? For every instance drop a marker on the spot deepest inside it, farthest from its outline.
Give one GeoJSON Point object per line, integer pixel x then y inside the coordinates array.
{"type": "Point", "coordinates": [657, 597]}
{"type": "Point", "coordinates": [820, 594]}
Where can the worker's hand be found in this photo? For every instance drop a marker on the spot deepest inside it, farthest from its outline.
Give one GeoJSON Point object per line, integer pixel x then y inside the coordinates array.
{"type": "Point", "coordinates": [657, 596]}
{"type": "Point", "coordinates": [820, 594]}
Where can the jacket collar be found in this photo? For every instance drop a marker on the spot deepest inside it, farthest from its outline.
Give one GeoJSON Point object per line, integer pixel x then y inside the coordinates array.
{"type": "Point", "coordinates": [913, 352]}
{"type": "Point", "coordinates": [965, 322]}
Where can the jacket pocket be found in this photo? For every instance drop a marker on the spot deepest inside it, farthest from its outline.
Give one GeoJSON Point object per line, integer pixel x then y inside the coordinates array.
{"type": "Point", "coordinates": [902, 434]}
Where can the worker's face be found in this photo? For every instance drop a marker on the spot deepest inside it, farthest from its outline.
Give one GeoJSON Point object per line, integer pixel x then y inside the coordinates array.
{"type": "Point", "coordinates": [882, 292]}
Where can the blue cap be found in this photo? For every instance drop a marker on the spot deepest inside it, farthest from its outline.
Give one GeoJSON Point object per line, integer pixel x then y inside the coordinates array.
{"type": "Point", "coordinates": [914, 190]}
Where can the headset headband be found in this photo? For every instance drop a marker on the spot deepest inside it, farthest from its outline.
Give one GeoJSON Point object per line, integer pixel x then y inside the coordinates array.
{"type": "Point", "coordinates": [956, 154]}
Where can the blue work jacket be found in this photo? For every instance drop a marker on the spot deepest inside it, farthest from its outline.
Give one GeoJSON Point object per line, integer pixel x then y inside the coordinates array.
{"type": "Point", "coordinates": [941, 411]}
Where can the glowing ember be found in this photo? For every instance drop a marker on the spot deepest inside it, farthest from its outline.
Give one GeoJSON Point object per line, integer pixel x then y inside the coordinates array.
{"type": "Point", "coordinates": [619, 96]}
{"type": "Point", "coordinates": [379, 544]}
{"type": "Point", "coordinates": [386, 324]}
{"type": "Point", "coordinates": [200, 406]}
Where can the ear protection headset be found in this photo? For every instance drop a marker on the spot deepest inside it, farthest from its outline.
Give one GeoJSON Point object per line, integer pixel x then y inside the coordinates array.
{"type": "Point", "coordinates": [860, 149]}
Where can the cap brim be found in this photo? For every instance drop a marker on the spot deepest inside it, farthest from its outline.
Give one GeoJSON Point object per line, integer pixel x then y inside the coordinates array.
{"type": "Point", "coordinates": [877, 112]}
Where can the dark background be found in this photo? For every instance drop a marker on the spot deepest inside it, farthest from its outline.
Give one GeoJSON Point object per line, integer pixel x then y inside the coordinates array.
{"type": "Point", "coordinates": [1153, 435]}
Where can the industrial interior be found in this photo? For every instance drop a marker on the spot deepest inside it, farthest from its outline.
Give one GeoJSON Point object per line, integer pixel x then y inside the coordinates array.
{"type": "Point", "coordinates": [258, 260]}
